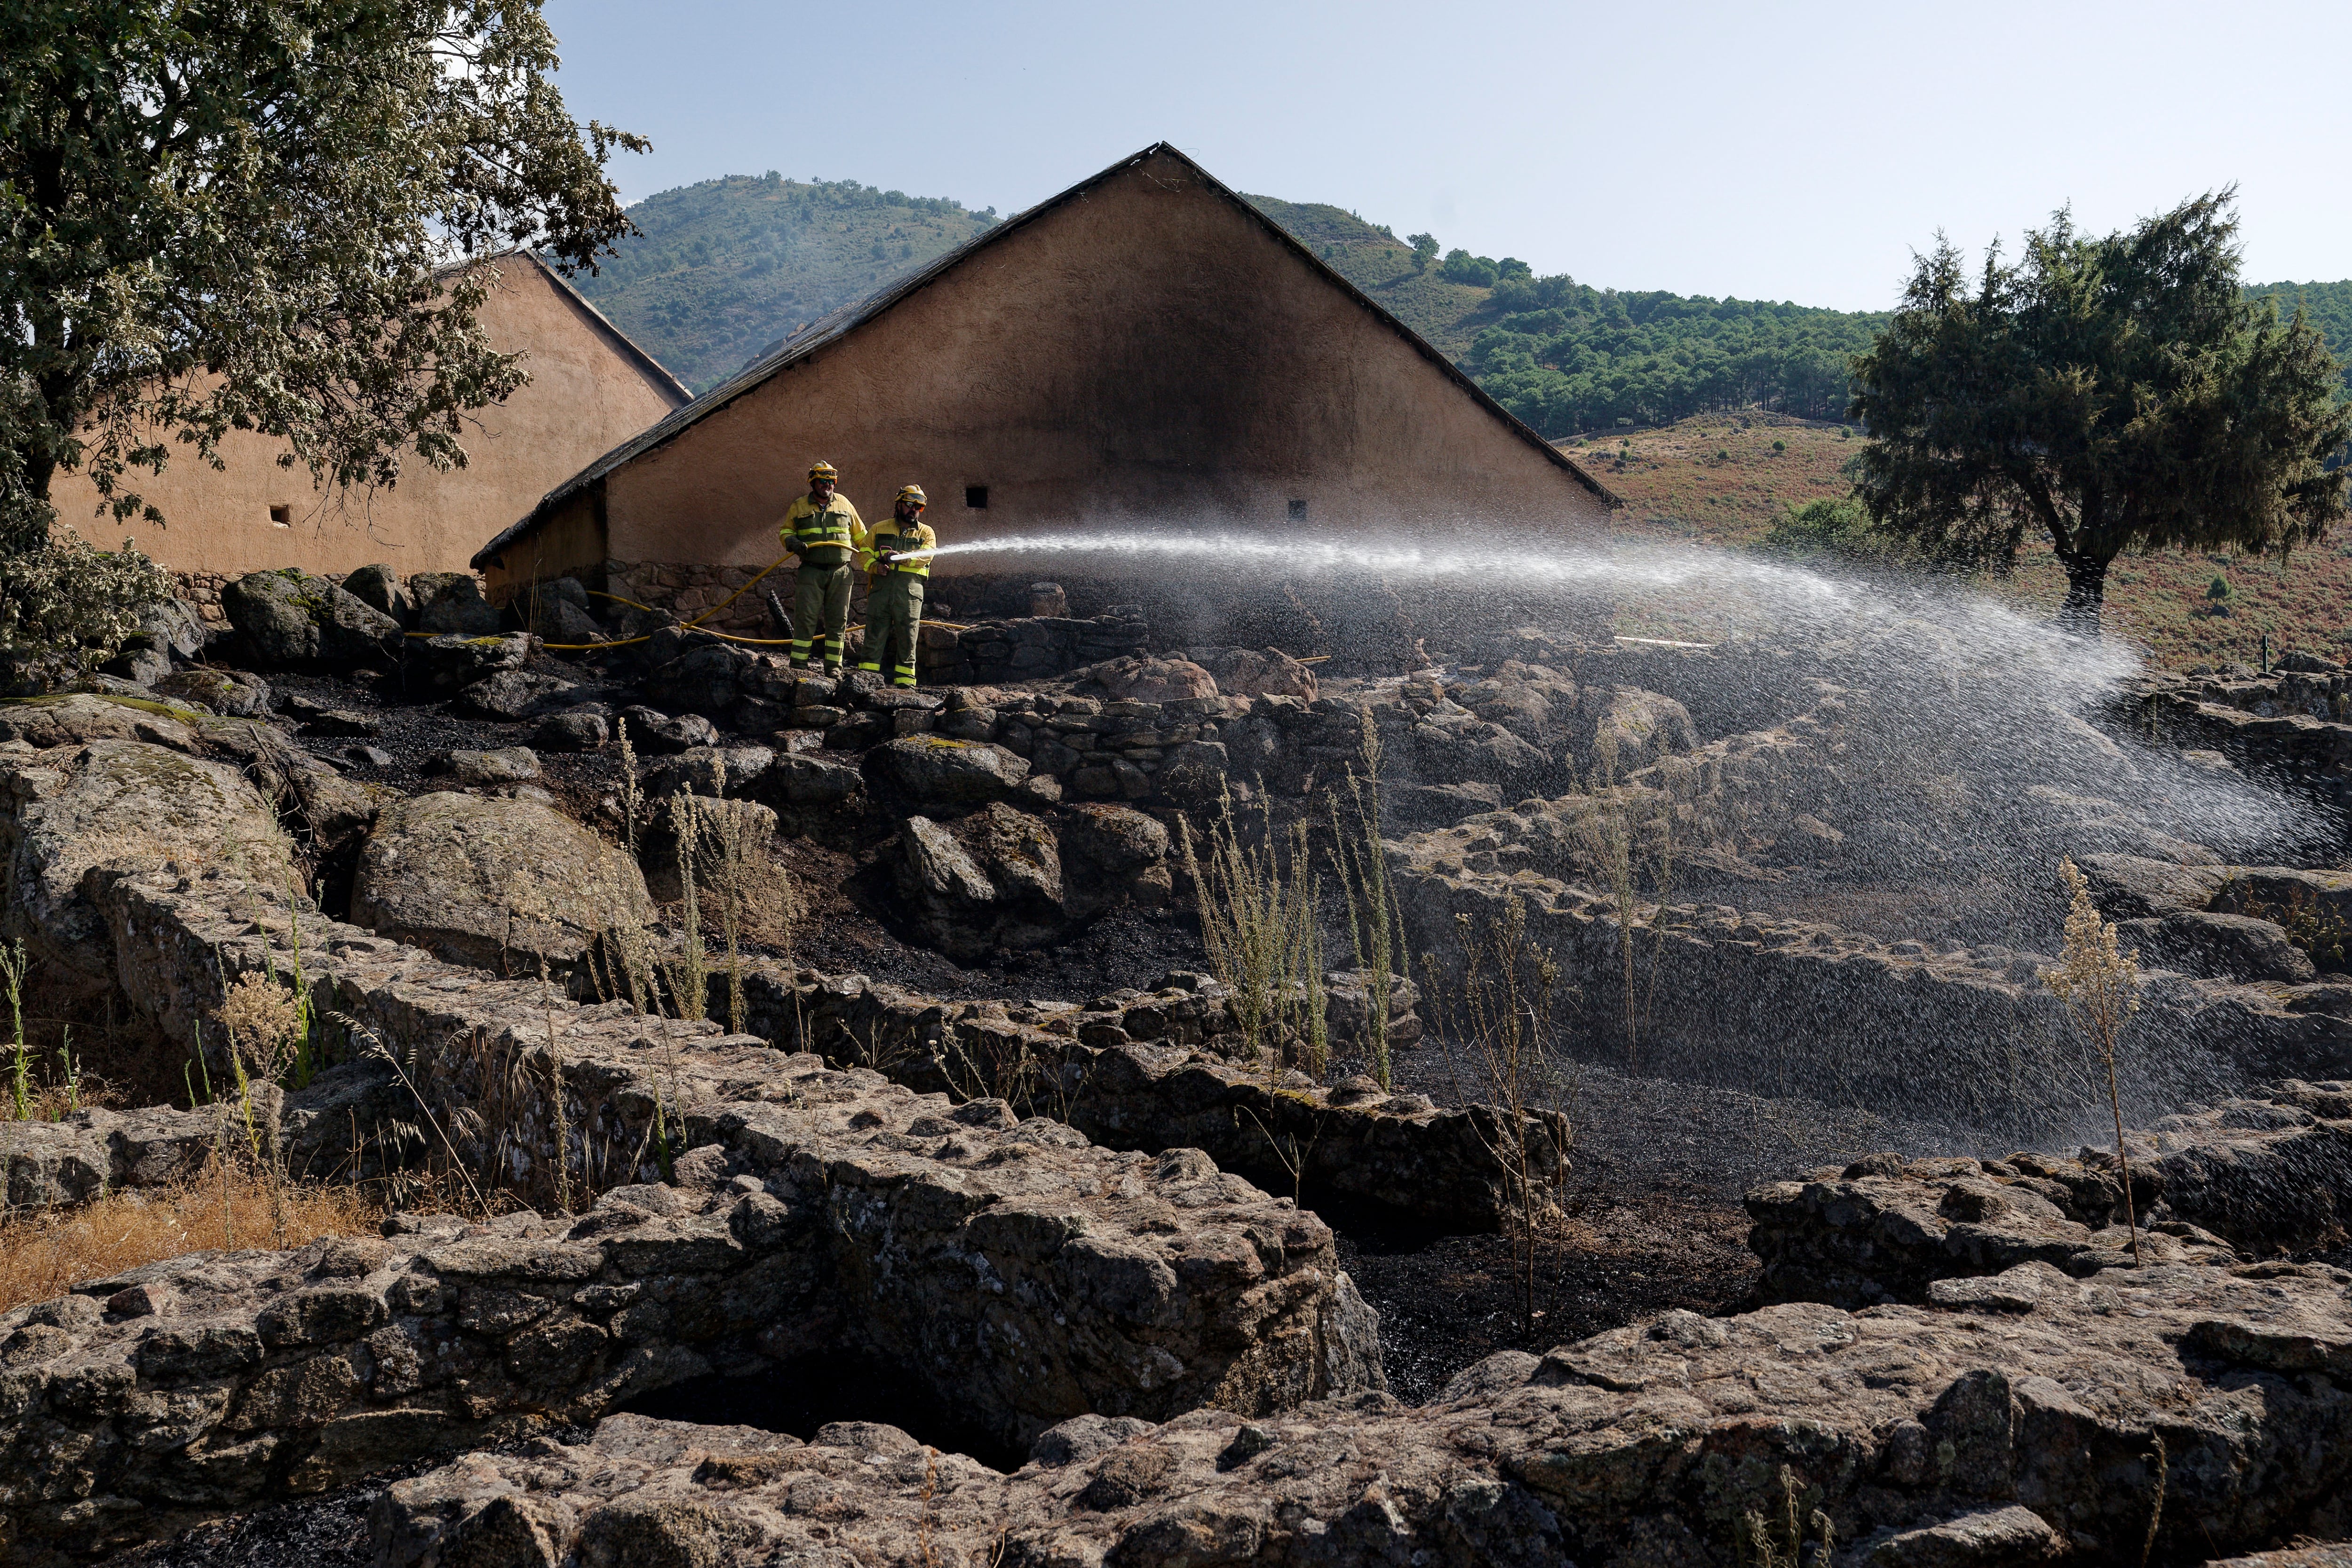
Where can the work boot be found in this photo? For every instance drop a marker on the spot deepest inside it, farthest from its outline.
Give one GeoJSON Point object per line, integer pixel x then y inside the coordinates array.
{"type": "Point", "coordinates": [833, 672]}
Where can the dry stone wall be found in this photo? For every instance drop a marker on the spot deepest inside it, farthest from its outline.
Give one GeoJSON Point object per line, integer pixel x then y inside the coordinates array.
{"type": "Point", "coordinates": [2169, 1415]}
{"type": "Point", "coordinates": [1022, 1271]}
{"type": "Point", "coordinates": [2243, 1181]}
{"type": "Point", "coordinates": [2292, 724]}
{"type": "Point", "coordinates": [1789, 1007]}
{"type": "Point", "coordinates": [1147, 1073]}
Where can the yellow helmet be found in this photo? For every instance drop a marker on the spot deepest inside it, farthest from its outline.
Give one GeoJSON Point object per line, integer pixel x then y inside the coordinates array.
{"type": "Point", "coordinates": [913, 493]}
{"type": "Point", "coordinates": [820, 469]}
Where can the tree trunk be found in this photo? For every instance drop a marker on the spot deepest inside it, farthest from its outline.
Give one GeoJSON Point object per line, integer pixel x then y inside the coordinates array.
{"type": "Point", "coordinates": [2086, 590]}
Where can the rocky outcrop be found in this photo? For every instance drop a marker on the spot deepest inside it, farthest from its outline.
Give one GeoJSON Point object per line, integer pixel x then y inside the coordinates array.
{"type": "Point", "coordinates": [2179, 1415]}
{"type": "Point", "coordinates": [290, 620]}
{"type": "Point", "coordinates": [2226, 921]}
{"type": "Point", "coordinates": [658, 734]}
{"type": "Point", "coordinates": [452, 602]}
{"type": "Point", "coordinates": [2295, 727]}
{"type": "Point", "coordinates": [1150, 1071]}
{"type": "Point", "coordinates": [1257, 673]}
{"type": "Point", "coordinates": [436, 667]}
{"type": "Point", "coordinates": [928, 772]}
{"type": "Point", "coordinates": [118, 803]}
{"type": "Point", "coordinates": [510, 696]}
{"type": "Point", "coordinates": [96, 1151]}
{"type": "Point", "coordinates": [716, 827]}
{"type": "Point", "coordinates": [1027, 1275]}
{"type": "Point", "coordinates": [232, 694]}
{"type": "Point", "coordinates": [380, 587]}
{"type": "Point", "coordinates": [500, 765]}
{"type": "Point", "coordinates": [1031, 647]}
{"type": "Point", "coordinates": [1149, 680]}
{"type": "Point", "coordinates": [2227, 946]}
{"type": "Point", "coordinates": [498, 884]}
{"type": "Point", "coordinates": [1719, 986]}
{"type": "Point", "coordinates": [2252, 1177]}
{"type": "Point", "coordinates": [1004, 878]}
{"type": "Point", "coordinates": [582, 729]}
{"type": "Point", "coordinates": [557, 610]}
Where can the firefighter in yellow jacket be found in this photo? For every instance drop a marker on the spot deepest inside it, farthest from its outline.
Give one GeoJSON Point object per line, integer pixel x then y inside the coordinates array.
{"type": "Point", "coordinates": [898, 567]}
{"type": "Point", "coordinates": [825, 531]}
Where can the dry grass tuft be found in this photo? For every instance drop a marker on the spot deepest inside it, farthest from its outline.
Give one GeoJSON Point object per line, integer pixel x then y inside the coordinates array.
{"type": "Point", "coordinates": [2098, 983]}
{"type": "Point", "coordinates": [46, 1254]}
{"type": "Point", "coordinates": [263, 1020]}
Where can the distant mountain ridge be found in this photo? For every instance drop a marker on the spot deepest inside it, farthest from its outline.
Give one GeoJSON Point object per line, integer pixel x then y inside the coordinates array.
{"type": "Point", "coordinates": [726, 269]}
{"type": "Point", "coordinates": [723, 269]}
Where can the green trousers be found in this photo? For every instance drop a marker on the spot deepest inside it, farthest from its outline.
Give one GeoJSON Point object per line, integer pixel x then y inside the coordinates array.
{"type": "Point", "coordinates": [820, 602]}
{"type": "Point", "coordinates": [894, 621]}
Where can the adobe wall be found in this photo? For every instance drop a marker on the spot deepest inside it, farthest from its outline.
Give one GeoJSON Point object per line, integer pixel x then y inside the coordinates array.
{"type": "Point", "coordinates": [584, 397]}
{"type": "Point", "coordinates": [1147, 352]}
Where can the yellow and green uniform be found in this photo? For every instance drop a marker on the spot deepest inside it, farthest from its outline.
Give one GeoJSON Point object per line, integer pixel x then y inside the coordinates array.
{"type": "Point", "coordinates": [826, 538]}
{"type": "Point", "coordinates": [894, 604]}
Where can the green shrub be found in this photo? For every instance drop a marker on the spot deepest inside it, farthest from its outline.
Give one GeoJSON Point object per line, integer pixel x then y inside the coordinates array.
{"type": "Point", "coordinates": [67, 598]}
{"type": "Point", "coordinates": [1839, 528]}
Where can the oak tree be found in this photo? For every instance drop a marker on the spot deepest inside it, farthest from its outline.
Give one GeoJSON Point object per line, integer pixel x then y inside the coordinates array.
{"type": "Point", "coordinates": [258, 214]}
{"type": "Point", "coordinates": [2112, 393]}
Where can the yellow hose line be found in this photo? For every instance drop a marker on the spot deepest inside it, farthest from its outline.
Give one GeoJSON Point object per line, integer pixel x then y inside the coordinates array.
{"type": "Point", "coordinates": [694, 625]}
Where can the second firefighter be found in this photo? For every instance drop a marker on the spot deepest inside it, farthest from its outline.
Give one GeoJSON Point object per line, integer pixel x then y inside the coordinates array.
{"type": "Point", "coordinates": [898, 567]}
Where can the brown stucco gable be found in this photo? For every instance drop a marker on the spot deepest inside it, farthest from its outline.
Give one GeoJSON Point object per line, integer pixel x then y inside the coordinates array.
{"type": "Point", "coordinates": [853, 318]}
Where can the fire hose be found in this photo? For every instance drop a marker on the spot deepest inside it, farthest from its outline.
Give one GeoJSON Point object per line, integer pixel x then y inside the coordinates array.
{"type": "Point", "coordinates": [694, 625]}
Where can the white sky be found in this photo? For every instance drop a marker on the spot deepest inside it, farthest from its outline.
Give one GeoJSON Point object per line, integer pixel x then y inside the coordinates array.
{"type": "Point", "coordinates": [1792, 152]}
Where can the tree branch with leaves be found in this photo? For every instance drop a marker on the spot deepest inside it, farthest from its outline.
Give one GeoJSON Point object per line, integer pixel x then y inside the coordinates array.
{"type": "Point", "coordinates": [261, 216]}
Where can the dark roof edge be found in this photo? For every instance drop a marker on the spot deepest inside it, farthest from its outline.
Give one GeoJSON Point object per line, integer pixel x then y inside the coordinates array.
{"type": "Point", "coordinates": [855, 314]}
{"type": "Point", "coordinates": [653, 369]}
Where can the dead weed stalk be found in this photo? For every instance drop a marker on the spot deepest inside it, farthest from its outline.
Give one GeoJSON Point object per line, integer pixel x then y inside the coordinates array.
{"type": "Point", "coordinates": [1375, 921]}
{"type": "Point", "coordinates": [2098, 983]}
{"type": "Point", "coordinates": [1258, 923]}
{"type": "Point", "coordinates": [1500, 1040]}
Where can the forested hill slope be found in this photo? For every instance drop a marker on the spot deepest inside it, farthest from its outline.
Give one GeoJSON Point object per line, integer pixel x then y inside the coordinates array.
{"type": "Point", "coordinates": [1567, 357]}
{"type": "Point", "coordinates": [2326, 305]}
{"type": "Point", "coordinates": [725, 268]}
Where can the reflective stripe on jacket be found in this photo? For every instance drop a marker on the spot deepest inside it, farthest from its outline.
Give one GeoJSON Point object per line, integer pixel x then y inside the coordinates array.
{"type": "Point", "coordinates": [888, 538]}
{"type": "Point", "coordinates": [823, 537]}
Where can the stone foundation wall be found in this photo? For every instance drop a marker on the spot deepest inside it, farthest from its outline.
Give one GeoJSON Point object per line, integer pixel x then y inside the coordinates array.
{"type": "Point", "coordinates": [1134, 1075]}
{"type": "Point", "coordinates": [2249, 1179]}
{"type": "Point", "coordinates": [687, 590]}
{"type": "Point", "coordinates": [1147, 1073]}
{"type": "Point", "coordinates": [1782, 1006]}
{"type": "Point", "coordinates": [755, 1205]}
{"type": "Point", "coordinates": [2171, 1419]}
{"type": "Point", "coordinates": [202, 589]}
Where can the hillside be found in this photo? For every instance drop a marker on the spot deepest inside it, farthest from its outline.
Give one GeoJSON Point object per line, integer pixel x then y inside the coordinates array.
{"type": "Point", "coordinates": [1725, 479]}
{"type": "Point", "coordinates": [1380, 264]}
{"type": "Point", "coordinates": [2327, 306]}
{"type": "Point", "coordinates": [1567, 357]}
{"type": "Point", "coordinates": [724, 270]}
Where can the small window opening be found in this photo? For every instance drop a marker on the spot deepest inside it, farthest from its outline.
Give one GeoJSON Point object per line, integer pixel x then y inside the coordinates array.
{"type": "Point", "coordinates": [282, 516]}
{"type": "Point", "coordinates": [976, 497]}
{"type": "Point", "coordinates": [1298, 511]}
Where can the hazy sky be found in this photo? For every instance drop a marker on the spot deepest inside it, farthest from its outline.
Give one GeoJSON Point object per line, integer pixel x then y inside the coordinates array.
{"type": "Point", "coordinates": [1789, 152]}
